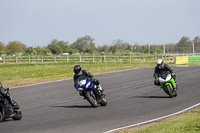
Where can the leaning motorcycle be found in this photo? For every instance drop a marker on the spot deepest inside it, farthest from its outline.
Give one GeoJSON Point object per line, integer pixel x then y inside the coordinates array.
{"type": "Point", "coordinates": [7, 110]}
{"type": "Point", "coordinates": [90, 93]}
{"type": "Point", "coordinates": [168, 83]}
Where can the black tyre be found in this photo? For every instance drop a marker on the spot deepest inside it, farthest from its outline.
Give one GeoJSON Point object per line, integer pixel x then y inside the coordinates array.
{"type": "Point", "coordinates": [1, 117]}
{"type": "Point", "coordinates": [91, 99]}
{"type": "Point", "coordinates": [103, 101]}
{"type": "Point", "coordinates": [1, 113]}
{"type": "Point", "coordinates": [17, 115]}
{"type": "Point", "coordinates": [175, 93]}
{"type": "Point", "coordinates": [17, 112]}
{"type": "Point", "coordinates": [170, 91]}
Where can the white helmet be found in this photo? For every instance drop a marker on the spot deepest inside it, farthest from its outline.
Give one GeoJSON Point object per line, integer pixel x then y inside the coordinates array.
{"type": "Point", "coordinates": [160, 64]}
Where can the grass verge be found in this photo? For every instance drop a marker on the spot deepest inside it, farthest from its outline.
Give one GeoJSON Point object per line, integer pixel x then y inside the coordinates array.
{"type": "Point", "coordinates": [13, 75]}
{"type": "Point", "coordinates": [188, 122]}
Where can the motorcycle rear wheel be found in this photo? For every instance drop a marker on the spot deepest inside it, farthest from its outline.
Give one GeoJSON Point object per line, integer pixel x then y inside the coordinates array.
{"type": "Point", "coordinates": [17, 115]}
{"type": "Point", "coordinates": [91, 99]}
{"type": "Point", "coordinates": [169, 89]}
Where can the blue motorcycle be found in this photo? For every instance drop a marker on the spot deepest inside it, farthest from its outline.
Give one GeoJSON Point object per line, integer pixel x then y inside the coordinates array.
{"type": "Point", "coordinates": [90, 92]}
{"type": "Point", "coordinates": [7, 110]}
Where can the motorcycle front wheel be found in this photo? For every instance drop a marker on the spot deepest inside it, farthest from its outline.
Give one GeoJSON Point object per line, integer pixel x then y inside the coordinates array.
{"type": "Point", "coordinates": [169, 89]}
{"type": "Point", "coordinates": [91, 99]}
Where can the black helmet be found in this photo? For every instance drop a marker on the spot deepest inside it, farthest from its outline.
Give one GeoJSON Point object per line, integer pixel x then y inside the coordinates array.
{"type": "Point", "coordinates": [77, 69]}
{"type": "Point", "coordinates": [160, 64]}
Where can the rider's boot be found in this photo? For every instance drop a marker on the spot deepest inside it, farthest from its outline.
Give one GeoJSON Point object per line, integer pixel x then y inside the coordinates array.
{"type": "Point", "coordinates": [81, 93]}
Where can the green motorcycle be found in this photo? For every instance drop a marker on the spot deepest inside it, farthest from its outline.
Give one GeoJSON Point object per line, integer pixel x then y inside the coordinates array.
{"type": "Point", "coordinates": [168, 83]}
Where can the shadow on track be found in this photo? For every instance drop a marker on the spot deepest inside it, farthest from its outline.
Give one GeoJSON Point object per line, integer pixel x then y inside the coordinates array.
{"type": "Point", "coordinates": [152, 96]}
{"type": "Point", "coordinates": [7, 120]}
{"type": "Point", "coordinates": [74, 106]}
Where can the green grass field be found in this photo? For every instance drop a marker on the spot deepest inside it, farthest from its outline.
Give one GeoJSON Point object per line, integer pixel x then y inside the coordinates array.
{"type": "Point", "coordinates": [188, 122]}
{"type": "Point", "coordinates": [13, 75]}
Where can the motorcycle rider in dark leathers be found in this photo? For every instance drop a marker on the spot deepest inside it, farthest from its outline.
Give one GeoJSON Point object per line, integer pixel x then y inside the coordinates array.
{"type": "Point", "coordinates": [79, 72]}
{"type": "Point", "coordinates": [161, 66]}
{"type": "Point", "coordinates": [6, 95]}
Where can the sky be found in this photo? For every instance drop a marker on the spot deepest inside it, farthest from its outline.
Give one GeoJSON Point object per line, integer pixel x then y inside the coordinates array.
{"type": "Point", "coordinates": [37, 22]}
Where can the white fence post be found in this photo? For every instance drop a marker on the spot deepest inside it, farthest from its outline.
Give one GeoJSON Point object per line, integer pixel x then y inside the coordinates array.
{"type": "Point", "coordinates": [174, 59]}
{"type": "Point", "coordinates": [4, 60]}
{"type": "Point", "coordinates": [104, 58]}
{"type": "Point", "coordinates": [92, 58]}
{"type": "Point", "coordinates": [193, 48]}
{"type": "Point", "coordinates": [16, 59]}
{"type": "Point", "coordinates": [29, 59]}
{"type": "Point", "coordinates": [143, 58]}
{"type": "Point", "coordinates": [67, 59]}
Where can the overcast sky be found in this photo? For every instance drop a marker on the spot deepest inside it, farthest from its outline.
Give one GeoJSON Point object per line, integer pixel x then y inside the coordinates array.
{"type": "Point", "coordinates": [37, 22]}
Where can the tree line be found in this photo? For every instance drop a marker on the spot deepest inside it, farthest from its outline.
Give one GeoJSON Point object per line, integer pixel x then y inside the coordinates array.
{"type": "Point", "coordinates": [86, 45]}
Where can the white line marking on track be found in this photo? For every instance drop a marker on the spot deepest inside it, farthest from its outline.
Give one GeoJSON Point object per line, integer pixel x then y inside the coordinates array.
{"type": "Point", "coordinates": [153, 120]}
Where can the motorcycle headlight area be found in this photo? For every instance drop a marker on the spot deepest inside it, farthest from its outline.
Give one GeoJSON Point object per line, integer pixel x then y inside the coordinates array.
{"type": "Point", "coordinates": [168, 77]}
{"type": "Point", "coordinates": [82, 82]}
{"type": "Point", "coordinates": [88, 84]}
{"type": "Point", "coordinates": [161, 80]}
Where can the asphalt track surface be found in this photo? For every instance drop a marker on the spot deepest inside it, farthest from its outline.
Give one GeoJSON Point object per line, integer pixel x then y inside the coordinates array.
{"type": "Point", "coordinates": [56, 107]}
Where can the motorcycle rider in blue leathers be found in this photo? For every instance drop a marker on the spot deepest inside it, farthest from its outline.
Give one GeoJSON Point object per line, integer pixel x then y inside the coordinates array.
{"type": "Point", "coordinates": [79, 72]}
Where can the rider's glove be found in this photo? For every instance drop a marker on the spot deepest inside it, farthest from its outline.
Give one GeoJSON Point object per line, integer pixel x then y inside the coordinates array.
{"type": "Point", "coordinates": [156, 82]}
{"type": "Point", "coordinates": [96, 82]}
{"type": "Point", "coordinates": [173, 76]}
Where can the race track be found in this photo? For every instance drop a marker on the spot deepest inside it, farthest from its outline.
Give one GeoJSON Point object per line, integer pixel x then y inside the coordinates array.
{"type": "Point", "coordinates": [56, 107]}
